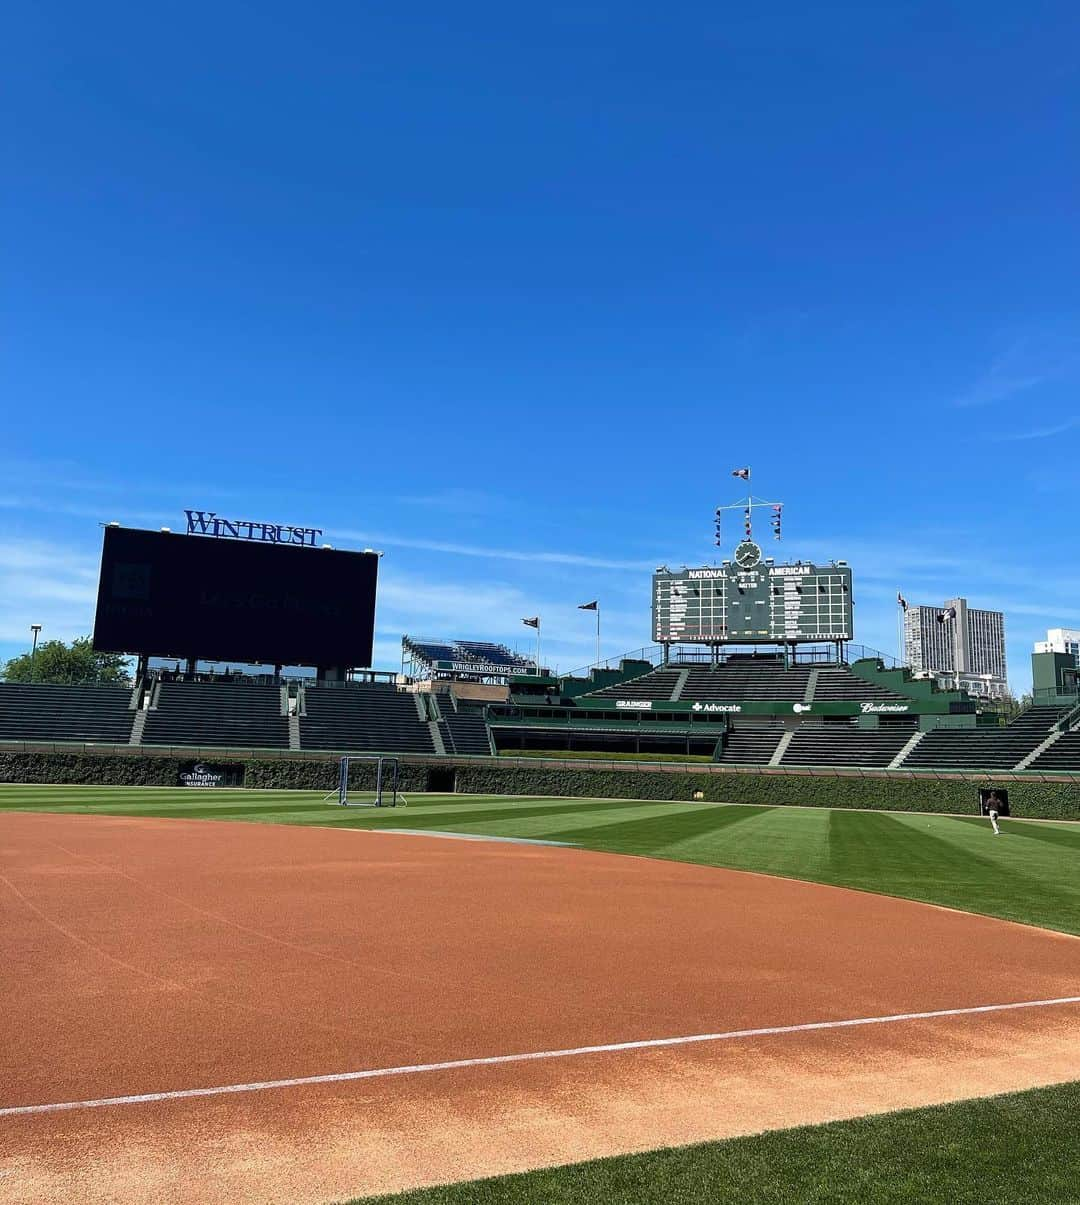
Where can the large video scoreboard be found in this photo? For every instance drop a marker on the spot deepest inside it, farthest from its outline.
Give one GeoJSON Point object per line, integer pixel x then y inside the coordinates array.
{"type": "Point", "coordinates": [169, 595]}
{"type": "Point", "coordinates": [752, 601]}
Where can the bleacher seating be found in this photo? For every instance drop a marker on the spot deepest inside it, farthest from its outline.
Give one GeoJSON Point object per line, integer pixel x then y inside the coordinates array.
{"type": "Point", "coordinates": [40, 712]}
{"type": "Point", "coordinates": [655, 685]}
{"type": "Point", "coordinates": [838, 682]}
{"type": "Point", "coordinates": [976, 748]}
{"type": "Point", "coordinates": [1063, 754]}
{"type": "Point", "coordinates": [845, 745]}
{"type": "Point", "coordinates": [748, 746]}
{"type": "Point", "coordinates": [227, 715]}
{"type": "Point", "coordinates": [363, 718]}
{"type": "Point", "coordinates": [464, 732]}
{"type": "Point", "coordinates": [747, 678]}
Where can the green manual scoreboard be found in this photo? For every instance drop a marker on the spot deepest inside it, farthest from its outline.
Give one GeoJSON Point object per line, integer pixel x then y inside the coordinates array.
{"type": "Point", "coordinates": [751, 600]}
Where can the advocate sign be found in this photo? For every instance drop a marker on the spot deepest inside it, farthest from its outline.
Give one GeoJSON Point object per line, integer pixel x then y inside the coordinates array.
{"type": "Point", "coordinates": [209, 523]}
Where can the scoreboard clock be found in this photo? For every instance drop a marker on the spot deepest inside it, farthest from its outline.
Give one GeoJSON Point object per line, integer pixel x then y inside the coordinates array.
{"type": "Point", "coordinates": [752, 601]}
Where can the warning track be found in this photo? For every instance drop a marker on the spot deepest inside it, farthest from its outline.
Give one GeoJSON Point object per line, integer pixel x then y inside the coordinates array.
{"type": "Point", "coordinates": [244, 1012]}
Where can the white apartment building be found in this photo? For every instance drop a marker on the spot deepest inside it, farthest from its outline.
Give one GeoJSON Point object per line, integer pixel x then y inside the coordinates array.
{"type": "Point", "coordinates": [1061, 640]}
{"type": "Point", "coordinates": [961, 647]}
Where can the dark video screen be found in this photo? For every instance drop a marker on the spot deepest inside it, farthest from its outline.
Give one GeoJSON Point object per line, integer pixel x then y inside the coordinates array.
{"type": "Point", "coordinates": [171, 595]}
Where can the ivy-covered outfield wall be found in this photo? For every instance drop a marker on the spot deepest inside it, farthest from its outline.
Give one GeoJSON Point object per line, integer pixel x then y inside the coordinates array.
{"type": "Point", "coordinates": [1031, 797]}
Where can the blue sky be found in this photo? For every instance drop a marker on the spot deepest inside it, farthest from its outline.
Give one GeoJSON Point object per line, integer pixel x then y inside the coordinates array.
{"type": "Point", "coordinates": [507, 293]}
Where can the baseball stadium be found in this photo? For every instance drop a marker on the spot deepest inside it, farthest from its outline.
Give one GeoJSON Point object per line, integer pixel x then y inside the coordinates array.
{"type": "Point", "coordinates": [752, 913]}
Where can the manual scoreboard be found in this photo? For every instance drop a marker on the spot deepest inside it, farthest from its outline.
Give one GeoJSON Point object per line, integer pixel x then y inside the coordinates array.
{"type": "Point", "coordinates": [752, 601]}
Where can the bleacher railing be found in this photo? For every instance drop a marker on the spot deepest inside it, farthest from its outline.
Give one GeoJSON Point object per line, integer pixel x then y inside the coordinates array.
{"type": "Point", "coordinates": [683, 656]}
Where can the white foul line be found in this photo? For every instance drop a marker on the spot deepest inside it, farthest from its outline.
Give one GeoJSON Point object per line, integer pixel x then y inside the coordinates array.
{"type": "Point", "coordinates": [497, 1059]}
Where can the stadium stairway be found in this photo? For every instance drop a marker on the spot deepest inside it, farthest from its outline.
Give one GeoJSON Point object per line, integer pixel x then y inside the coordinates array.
{"type": "Point", "coordinates": [42, 712]}
{"type": "Point", "coordinates": [219, 714]}
{"type": "Point", "coordinates": [364, 718]}
{"type": "Point", "coordinates": [902, 756]}
{"type": "Point", "coordinates": [465, 732]}
{"type": "Point", "coordinates": [749, 746]}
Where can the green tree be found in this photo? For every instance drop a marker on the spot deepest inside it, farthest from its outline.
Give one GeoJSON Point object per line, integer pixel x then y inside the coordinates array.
{"type": "Point", "coordinates": [68, 663]}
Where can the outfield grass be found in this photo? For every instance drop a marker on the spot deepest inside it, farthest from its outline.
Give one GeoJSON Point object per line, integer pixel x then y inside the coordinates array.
{"type": "Point", "coordinates": [1031, 873]}
{"type": "Point", "coordinates": [1005, 1149]}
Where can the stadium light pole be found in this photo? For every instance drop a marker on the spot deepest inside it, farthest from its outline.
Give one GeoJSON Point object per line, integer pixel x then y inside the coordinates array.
{"type": "Point", "coordinates": [35, 628]}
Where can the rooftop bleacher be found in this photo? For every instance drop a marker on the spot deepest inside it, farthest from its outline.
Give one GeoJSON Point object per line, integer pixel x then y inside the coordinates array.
{"type": "Point", "coordinates": [479, 658]}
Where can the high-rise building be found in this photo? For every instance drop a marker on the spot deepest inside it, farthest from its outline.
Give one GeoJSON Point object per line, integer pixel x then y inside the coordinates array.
{"type": "Point", "coordinates": [1060, 640]}
{"type": "Point", "coordinates": [959, 646]}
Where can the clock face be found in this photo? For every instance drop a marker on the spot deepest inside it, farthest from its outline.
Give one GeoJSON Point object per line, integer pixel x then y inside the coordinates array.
{"type": "Point", "coordinates": [747, 555]}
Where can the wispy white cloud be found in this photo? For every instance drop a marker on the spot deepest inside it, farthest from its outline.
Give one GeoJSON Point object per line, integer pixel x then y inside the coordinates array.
{"type": "Point", "coordinates": [100, 513]}
{"type": "Point", "coordinates": [120, 512]}
{"type": "Point", "coordinates": [74, 478]}
{"type": "Point", "coordinates": [456, 501]}
{"type": "Point", "coordinates": [1033, 359]}
{"type": "Point", "coordinates": [47, 583]}
{"type": "Point", "coordinates": [538, 556]}
{"type": "Point", "coordinates": [996, 387]}
{"type": "Point", "coordinates": [1038, 432]}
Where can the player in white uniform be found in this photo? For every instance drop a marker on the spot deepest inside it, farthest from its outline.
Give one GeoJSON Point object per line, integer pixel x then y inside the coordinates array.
{"type": "Point", "coordinates": [993, 803]}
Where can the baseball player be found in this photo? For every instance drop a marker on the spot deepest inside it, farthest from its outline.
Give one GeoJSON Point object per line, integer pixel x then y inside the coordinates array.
{"type": "Point", "coordinates": [993, 806]}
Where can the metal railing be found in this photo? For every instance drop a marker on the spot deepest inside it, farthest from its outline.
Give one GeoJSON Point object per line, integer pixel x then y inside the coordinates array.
{"type": "Point", "coordinates": [690, 655]}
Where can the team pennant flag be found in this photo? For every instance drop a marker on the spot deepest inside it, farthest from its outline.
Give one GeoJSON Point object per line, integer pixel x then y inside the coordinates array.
{"type": "Point", "coordinates": [593, 606]}
{"type": "Point", "coordinates": [901, 601]}
{"type": "Point", "coordinates": [532, 623]}
{"type": "Point", "coordinates": [742, 474]}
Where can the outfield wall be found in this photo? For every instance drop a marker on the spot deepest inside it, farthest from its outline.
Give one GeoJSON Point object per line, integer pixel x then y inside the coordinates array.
{"type": "Point", "coordinates": [1032, 794]}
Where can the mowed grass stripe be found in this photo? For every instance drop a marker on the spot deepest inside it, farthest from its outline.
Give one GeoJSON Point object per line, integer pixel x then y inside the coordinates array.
{"type": "Point", "coordinates": [784, 841]}
{"type": "Point", "coordinates": [654, 834]}
{"type": "Point", "coordinates": [1009, 1150]}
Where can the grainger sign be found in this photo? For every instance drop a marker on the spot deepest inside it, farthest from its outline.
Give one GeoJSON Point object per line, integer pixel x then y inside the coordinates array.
{"type": "Point", "coordinates": [209, 523]}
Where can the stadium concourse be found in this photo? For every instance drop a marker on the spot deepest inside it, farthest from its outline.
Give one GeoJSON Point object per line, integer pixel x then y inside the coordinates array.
{"type": "Point", "coordinates": [800, 709]}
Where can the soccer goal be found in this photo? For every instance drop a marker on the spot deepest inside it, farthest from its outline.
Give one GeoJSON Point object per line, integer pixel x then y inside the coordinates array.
{"type": "Point", "coordinates": [386, 793]}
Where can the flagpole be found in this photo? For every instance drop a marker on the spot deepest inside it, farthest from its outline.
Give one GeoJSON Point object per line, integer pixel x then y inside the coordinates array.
{"type": "Point", "coordinates": [538, 646]}
{"type": "Point", "coordinates": [899, 629]}
{"type": "Point", "coordinates": [597, 635]}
